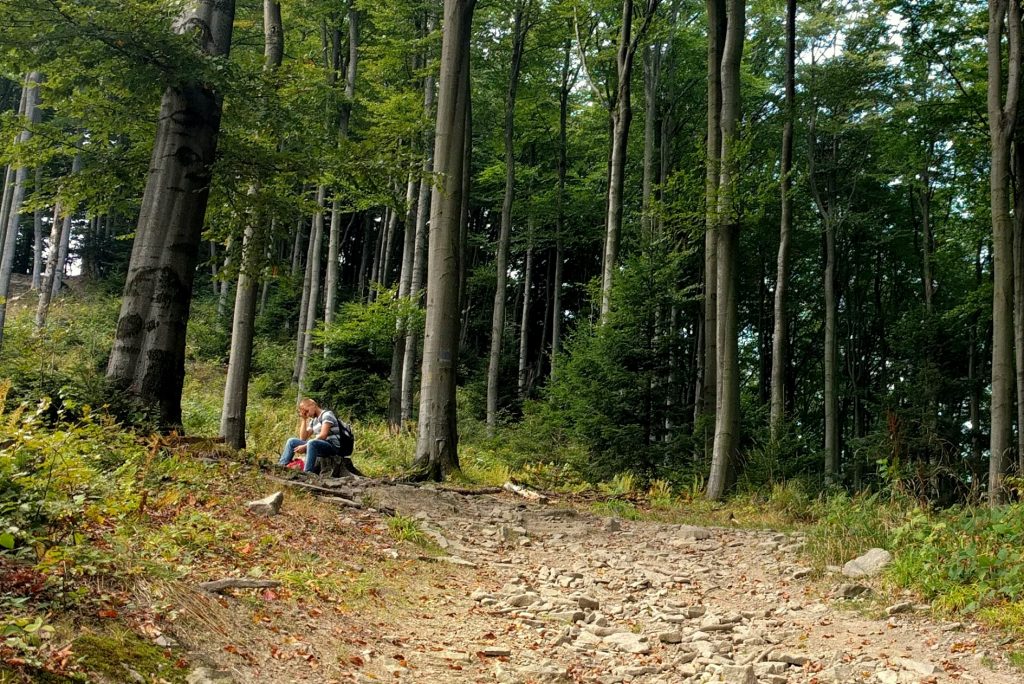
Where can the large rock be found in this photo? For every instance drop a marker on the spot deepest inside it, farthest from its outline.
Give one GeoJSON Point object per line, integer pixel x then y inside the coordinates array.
{"type": "Point", "coordinates": [268, 506]}
{"type": "Point", "coordinates": [739, 674]}
{"type": "Point", "coordinates": [868, 565]}
{"type": "Point", "coordinates": [629, 642]}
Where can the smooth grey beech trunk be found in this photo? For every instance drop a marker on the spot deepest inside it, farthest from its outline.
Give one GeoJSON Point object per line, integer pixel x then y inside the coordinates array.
{"type": "Point", "coordinates": [728, 394]}
{"type": "Point", "coordinates": [520, 27]}
{"type": "Point", "coordinates": [420, 251]}
{"type": "Point", "coordinates": [5, 206]}
{"type": "Point", "coordinates": [524, 320]}
{"type": "Point", "coordinates": [236, 386]}
{"type": "Point", "coordinates": [437, 443]}
{"type": "Point", "coordinates": [148, 357]}
{"type": "Point", "coordinates": [62, 254]}
{"type": "Point", "coordinates": [404, 283]}
{"type": "Point", "coordinates": [333, 250]}
{"type": "Point", "coordinates": [780, 333]}
{"type": "Point", "coordinates": [622, 117]}
{"type": "Point", "coordinates": [316, 239]}
{"type": "Point", "coordinates": [54, 266]}
{"type": "Point", "coordinates": [563, 118]}
{"type": "Point", "coordinates": [30, 113]}
{"type": "Point", "coordinates": [1003, 16]}
{"type": "Point", "coordinates": [300, 326]}
{"type": "Point", "coordinates": [707, 381]}
{"type": "Point", "coordinates": [37, 239]}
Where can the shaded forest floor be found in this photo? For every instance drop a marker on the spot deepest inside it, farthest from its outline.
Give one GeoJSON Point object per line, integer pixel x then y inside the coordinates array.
{"type": "Point", "coordinates": [463, 587]}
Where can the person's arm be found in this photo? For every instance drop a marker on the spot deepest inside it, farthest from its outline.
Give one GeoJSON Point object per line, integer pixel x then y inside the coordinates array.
{"type": "Point", "coordinates": [325, 428]}
{"type": "Point", "coordinates": [303, 430]}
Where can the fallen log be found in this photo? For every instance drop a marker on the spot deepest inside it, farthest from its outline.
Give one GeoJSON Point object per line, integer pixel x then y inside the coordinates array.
{"type": "Point", "coordinates": [218, 586]}
{"type": "Point", "coordinates": [525, 492]}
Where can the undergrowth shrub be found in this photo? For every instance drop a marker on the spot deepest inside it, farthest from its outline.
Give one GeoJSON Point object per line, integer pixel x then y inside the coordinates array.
{"type": "Point", "coordinates": [963, 559]}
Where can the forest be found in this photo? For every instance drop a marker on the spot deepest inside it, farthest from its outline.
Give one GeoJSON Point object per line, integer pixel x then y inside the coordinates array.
{"type": "Point", "coordinates": [535, 215]}
{"type": "Point", "coordinates": [751, 263]}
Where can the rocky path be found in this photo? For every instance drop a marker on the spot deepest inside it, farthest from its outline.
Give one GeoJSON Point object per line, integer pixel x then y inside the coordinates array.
{"type": "Point", "coordinates": [542, 593]}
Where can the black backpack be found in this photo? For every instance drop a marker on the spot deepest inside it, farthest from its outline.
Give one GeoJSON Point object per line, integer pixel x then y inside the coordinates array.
{"type": "Point", "coordinates": [347, 439]}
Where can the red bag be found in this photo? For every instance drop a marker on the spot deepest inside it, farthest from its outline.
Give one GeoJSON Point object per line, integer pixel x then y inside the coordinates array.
{"type": "Point", "coordinates": [297, 464]}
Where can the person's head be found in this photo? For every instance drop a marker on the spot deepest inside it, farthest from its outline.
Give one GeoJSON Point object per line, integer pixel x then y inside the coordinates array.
{"type": "Point", "coordinates": [308, 408]}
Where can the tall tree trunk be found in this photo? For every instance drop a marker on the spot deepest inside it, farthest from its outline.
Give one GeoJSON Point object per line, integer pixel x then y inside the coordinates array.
{"type": "Point", "coordinates": [313, 305]}
{"type": "Point", "coordinates": [652, 74]}
{"type": "Point", "coordinates": [369, 240]}
{"type": "Point", "coordinates": [622, 116]}
{"type": "Point", "coordinates": [300, 326]}
{"type": "Point", "coordinates": [831, 377]}
{"type": "Point", "coordinates": [30, 113]}
{"type": "Point", "coordinates": [37, 233]}
{"type": "Point", "coordinates": [524, 321]}
{"type": "Point", "coordinates": [419, 260]}
{"type": "Point", "coordinates": [148, 357]}
{"type": "Point", "coordinates": [728, 394]}
{"type": "Point", "coordinates": [1002, 113]}
{"type": "Point", "coordinates": [225, 281]}
{"type": "Point", "coordinates": [5, 205]}
{"type": "Point", "coordinates": [519, 29]}
{"type": "Point", "coordinates": [300, 229]}
{"type": "Point", "coordinates": [780, 334]}
{"type": "Point", "coordinates": [709, 379]}
{"type": "Point", "coordinates": [404, 284]}
{"type": "Point", "coordinates": [236, 387]}
{"type": "Point", "coordinates": [563, 118]}
{"type": "Point", "coordinates": [437, 445]}
{"type": "Point", "coordinates": [333, 250]}
{"type": "Point", "coordinates": [54, 266]}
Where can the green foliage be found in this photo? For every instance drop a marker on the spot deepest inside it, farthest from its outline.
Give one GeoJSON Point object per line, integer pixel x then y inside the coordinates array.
{"type": "Point", "coordinates": [964, 559]}
{"type": "Point", "coordinates": [849, 525]}
{"type": "Point", "coordinates": [406, 529]}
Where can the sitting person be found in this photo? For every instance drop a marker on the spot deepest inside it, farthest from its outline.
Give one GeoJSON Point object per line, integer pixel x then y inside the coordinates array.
{"type": "Point", "coordinates": [321, 436]}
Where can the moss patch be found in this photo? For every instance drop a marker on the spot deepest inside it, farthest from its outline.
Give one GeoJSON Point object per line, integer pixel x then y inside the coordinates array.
{"type": "Point", "coordinates": [111, 653]}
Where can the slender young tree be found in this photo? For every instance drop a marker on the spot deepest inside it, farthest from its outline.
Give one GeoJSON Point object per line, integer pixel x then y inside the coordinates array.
{"type": "Point", "coordinates": [728, 393]}
{"type": "Point", "coordinates": [437, 444]}
{"type": "Point", "coordinates": [780, 334]}
{"type": "Point", "coordinates": [622, 117]}
{"type": "Point", "coordinates": [236, 387]}
{"type": "Point", "coordinates": [1004, 16]}
{"type": "Point", "coordinates": [704, 404]}
{"type": "Point", "coordinates": [30, 113]}
{"type": "Point", "coordinates": [521, 19]}
{"type": "Point", "coordinates": [54, 266]}
{"type": "Point", "coordinates": [148, 356]}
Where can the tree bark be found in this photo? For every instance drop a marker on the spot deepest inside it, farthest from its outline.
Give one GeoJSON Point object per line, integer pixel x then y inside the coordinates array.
{"type": "Point", "coordinates": [519, 30]}
{"type": "Point", "coordinates": [728, 393]}
{"type": "Point", "coordinates": [54, 266]}
{"type": "Point", "coordinates": [37, 235]}
{"type": "Point", "coordinates": [622, 116]}
{"type": "Point", "coordinates": [300, 326]}
{"type": "Point", "coordinates": [420, 243]}
{"type": "Point", "coordinates": [709, 378]}
{"type": "Point", "coordinates": [780, 333]}
{"type": "Point", "coordinates": [1002, 113]}
{"type": "Point", "coordinates": [236, 387]}
{"type": "Point", "coordinates": [563, 117]}
{"type": "Point", "coordinates": [524, 321]}
{"type": "Point", "coordinates": [316, 245]}
{"type": "Point", "coordinates": [30, 113]}
{"type": "Point", "coordinates": [437, 445]}
{"type": "Point", "coordinates": [404, 284]}
{"type": "Point", "coordinates": [333, 249]}
{"type": "Point", "coordinates": [148, 358]}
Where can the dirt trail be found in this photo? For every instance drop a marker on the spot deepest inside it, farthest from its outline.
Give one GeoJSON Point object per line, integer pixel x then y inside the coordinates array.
{"type": "Point", "coordinates": [542, 593]}
{"type": "Point", "coordinates": [556, 595]}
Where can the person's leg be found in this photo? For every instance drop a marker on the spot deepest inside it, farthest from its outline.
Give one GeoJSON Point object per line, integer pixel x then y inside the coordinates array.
{"type": "Point", "coordinates": [314, 449]}
{"type": "Point", "coordinates": [288, 453]}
